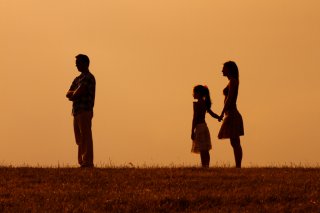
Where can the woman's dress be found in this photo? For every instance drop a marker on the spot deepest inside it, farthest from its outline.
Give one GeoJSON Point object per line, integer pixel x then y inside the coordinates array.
{"type": "Point", "coordinates": [232, 125]}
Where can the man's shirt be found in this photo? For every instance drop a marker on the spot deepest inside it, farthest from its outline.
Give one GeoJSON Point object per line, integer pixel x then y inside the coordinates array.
{"type": "Point", "coordinates": [85, 101]}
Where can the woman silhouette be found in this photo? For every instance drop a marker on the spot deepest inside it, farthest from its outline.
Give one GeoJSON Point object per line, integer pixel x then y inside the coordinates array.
{"type": "Point", "coordinates": [232, 126]}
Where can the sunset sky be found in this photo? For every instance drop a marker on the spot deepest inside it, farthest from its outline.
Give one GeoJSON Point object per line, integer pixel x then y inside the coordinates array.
{"type": "Point", "coordinates": [146, 57]}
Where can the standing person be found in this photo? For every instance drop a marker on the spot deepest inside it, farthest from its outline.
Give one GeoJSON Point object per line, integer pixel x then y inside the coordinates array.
{"type": "Point", "coordinates": [200, 134]}
{"type": "Point", "coordinates": [232, 125]}
{"type": "Point", "coordinates": [82, 94]}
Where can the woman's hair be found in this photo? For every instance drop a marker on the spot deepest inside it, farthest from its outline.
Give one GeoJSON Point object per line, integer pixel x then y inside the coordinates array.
{"type": "Point", "coordinates": [232, 69]}
{"type": "Point", "coordinates": [203, 91]}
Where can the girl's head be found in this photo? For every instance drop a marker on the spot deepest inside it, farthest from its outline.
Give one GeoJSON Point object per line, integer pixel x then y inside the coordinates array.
{"type": "Point", "coordinates": [202, 92]}
{"type": "Point", "coordinates": [230, 69]}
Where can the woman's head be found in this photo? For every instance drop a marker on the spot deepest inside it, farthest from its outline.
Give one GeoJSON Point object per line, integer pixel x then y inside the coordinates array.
{"type": "Point", "coordinates": [230, 69]}
{"type": "Point", "coordinates": [202, 92]}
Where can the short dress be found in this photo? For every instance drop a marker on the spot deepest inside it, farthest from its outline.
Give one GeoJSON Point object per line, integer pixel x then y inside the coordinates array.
{"type": "Point", "coordinates": [232, 125]}
{"type": "Point", "coordinates": [202, 140]}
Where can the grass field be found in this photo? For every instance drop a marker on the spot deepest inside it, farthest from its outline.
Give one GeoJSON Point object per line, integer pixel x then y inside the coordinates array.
{"type": "Point", "coordinates": [159, 190]}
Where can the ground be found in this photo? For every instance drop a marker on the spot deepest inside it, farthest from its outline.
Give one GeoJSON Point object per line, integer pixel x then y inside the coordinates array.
{"type": "Point", "coordinates": [159, 190]}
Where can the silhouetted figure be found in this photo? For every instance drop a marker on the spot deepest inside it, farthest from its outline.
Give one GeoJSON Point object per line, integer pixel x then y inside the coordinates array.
{"type": "Point", "coordinates": [232, 126]}
{"type": "Point", "coordinates": [200, 134]}
{"type": "Point", "coordinates": [82, 94]}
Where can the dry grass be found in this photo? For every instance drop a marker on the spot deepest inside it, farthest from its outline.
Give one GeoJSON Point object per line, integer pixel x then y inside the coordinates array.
{"type": "Point", "coordinates": [159, 190]}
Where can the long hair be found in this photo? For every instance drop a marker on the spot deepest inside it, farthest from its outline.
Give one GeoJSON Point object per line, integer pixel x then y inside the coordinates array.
{"type": "Point", "coordinates": [203, 91]}
{"type": "Point", "coordinates": [232, 69]}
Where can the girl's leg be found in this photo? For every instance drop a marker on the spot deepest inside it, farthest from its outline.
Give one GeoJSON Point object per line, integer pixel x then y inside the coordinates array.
{"type": "Point", "coordinates": [205, 158]}
{"type": "Point", "coordinates": [237, 149]}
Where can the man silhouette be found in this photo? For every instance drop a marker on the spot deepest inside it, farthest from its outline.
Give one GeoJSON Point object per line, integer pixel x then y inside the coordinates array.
{"type": "Point", "coordinates": [82, 94]}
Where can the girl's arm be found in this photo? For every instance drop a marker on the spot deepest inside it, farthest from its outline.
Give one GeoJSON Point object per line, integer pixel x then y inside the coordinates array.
{"type": "Point", "coordinates": [214, 115]}
{"type": "Point", "coordinates": [192, 130]}
{"type": "Point", "coordinates": [193, 121]}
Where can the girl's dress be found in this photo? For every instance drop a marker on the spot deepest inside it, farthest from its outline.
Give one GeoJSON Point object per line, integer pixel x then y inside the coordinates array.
{"type": "Point", "coordinates": [232, 125]}
{"type": "Point", "coordinates": [202, 141]}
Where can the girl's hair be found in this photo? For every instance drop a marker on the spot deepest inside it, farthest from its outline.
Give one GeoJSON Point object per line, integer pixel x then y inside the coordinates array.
{"type": "Point", "coordinates": [203, 91]}
{"type": "Point", "coordinates": [232, 69]}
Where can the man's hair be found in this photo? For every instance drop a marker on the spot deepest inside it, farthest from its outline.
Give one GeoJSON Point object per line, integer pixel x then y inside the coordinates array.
{"type": "Point", "coordinates": [84, 59]}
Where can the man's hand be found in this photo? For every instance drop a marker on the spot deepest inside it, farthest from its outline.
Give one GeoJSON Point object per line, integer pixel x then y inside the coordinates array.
{"type": "Point", "coordinates": [69, 95]}
{"type": "Point", "coordinates": [193, 136]}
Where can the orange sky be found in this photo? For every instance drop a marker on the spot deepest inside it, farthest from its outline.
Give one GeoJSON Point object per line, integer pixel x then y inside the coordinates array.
{"type": "Point", "coordinates": [146, 57]}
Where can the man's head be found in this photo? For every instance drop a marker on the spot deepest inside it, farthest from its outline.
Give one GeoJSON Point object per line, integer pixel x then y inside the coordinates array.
{"type": "Point", "coordinates": [82, 62]}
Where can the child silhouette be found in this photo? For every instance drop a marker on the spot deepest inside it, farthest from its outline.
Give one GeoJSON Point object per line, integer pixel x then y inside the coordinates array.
{"type": "Point", "coordinates": [200, 135]}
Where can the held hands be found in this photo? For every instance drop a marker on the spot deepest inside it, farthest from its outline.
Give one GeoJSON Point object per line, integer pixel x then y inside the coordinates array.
{"type": "Point", "coordinates": [216, 116]}
{"type": "Point", "coordinates": [220, 118]}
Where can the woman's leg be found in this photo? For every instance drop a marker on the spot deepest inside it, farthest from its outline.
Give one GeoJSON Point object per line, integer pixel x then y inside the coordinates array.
{"type": "Point", "coordinates": [205, 158]}
{"type": "Point", "coordinates": [237, 149]}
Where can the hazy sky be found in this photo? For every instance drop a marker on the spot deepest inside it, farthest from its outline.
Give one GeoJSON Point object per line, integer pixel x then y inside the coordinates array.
{"type": "Point", "coordinates": [146, 57]}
